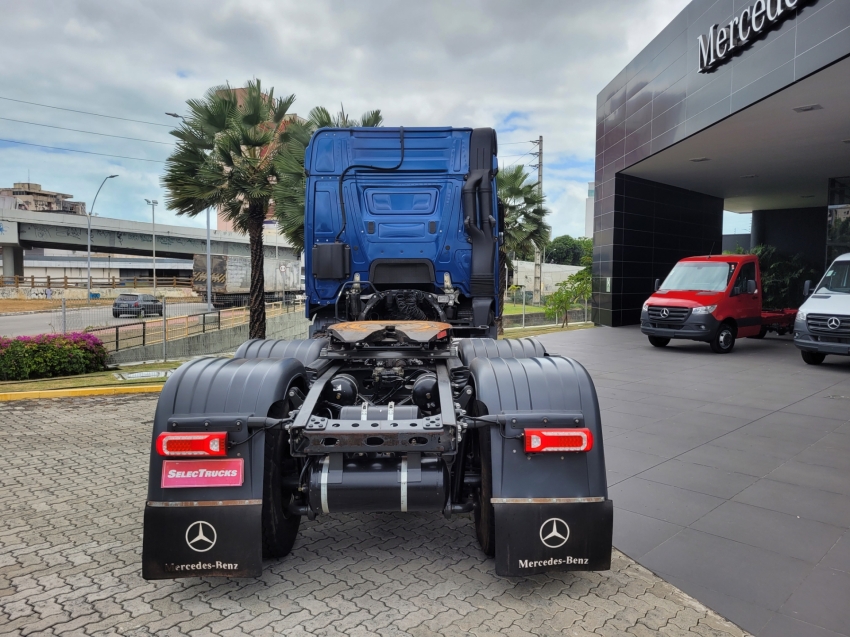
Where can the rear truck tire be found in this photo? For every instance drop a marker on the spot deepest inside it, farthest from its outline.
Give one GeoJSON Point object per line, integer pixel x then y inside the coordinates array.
{"type": "Point", "coordinates": [115, 315]}
{"type": "Point", "coordinates": [763, 332]}
{"type": "Point", "coordinates": [279, 525]}
{"type": "Point", "coordinates": [523, 495]}
{"type": "Point", "coordinates": [812, 358]}
{"type": "Point", "coordinates": [658, 341]}
{"type": "Point", "coordinates": [468, 349]}
{"type": "Point", "coordinates": [484, 515]}
{"type": "Point", "coordinates": [306, 350]}
{"type": "Point", "coordinates": [246, 518]}
{"type": "Point", "coordinates": [724, 340]}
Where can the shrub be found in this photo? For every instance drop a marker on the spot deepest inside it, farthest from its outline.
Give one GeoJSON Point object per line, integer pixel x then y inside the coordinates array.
{"type": "Point", "coordinates": [49, 355]}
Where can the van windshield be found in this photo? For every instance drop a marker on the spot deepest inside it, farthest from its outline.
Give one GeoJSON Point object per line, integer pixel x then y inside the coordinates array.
{"type": "Point", "coordinates": [836, 280]}
{"type": "Point", "coordinates": [700, 276]}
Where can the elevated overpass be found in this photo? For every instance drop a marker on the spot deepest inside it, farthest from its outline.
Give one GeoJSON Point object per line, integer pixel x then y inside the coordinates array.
{"type": "Point", "coordinates": [24, 229]}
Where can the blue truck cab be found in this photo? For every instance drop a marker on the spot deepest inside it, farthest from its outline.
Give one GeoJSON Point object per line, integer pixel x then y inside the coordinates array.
{"type": "Point", "coordinates": [403, 223]}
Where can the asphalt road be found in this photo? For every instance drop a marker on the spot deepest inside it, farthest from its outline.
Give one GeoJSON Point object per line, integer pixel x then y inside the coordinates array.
{"type": "Point", "coordinates": [98, 316]}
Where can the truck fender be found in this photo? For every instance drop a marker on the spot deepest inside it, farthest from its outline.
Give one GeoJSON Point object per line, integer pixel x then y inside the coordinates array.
{"type": "Point", "coordinates": [214, 394]}
{"type": "Point", "coordinates": [305, 350]}
{"type": "Point", "coordinates": [531, 490]}
{"type": "Point", "coordinates": [468, 349]}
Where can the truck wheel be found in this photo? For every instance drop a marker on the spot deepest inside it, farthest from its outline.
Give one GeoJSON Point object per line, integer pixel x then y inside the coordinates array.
{"type": "Point", "coordinates": [485, 516]}
{"type": "Point", "coordinates": [280, 526]}
{"type": "Point", "coordinates": [724, 340]}
{"type": "Point", "coordinates": [813, 358]}
{"type": "Point", "coordinates": [763, 332]}
{"type": "Point", "coordinates": [658, 341]}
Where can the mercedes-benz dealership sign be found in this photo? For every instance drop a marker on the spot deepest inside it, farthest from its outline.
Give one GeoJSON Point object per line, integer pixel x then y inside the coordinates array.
{"type": "Point", "coordinates": [718, 46]}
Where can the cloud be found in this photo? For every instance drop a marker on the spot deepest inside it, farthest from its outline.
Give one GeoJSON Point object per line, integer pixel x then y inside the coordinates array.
{"type": "Point", "coordinates": [527, 69]}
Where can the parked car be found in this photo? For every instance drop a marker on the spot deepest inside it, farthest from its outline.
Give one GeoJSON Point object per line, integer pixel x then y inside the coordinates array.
{"type": "Point", "coordinates": [139, 305]}
{"type": "Point", "coordinates": [715, 299]}
{"type": "Point", "coordinates": [823, 322]}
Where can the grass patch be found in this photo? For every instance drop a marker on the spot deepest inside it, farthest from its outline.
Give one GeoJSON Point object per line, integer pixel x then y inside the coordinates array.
{"type": "Point", "coordinates": [43, 305]}
{"type": "Point", "coordinates": [516, 308]}
{"type": "Point", "coordinates": [98, 379]}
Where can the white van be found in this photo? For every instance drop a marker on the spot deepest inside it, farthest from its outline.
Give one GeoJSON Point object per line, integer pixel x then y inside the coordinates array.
{"type": "Point", "coordinates": [823, 322]}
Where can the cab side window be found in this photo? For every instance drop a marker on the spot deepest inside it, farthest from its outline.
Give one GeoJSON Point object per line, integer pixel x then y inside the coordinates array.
{"type": "Point", "coordinates": [746, 273]}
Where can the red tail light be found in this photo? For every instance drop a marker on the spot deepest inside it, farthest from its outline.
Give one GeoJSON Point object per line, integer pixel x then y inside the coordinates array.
{"type": "Point", "coordinates": [537, 440]}
{"type": "Point", "coordinates": [192, 444]}
{"type": "Point", "coordinates": [136, 304]}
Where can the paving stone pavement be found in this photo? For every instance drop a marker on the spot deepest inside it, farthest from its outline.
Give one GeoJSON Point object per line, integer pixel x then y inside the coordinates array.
{"type": "Point", "coordinates": [72, 489]}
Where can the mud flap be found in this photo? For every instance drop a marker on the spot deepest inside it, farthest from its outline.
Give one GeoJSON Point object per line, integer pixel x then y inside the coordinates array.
{"type": "Point", "coordinates": [202, 541]}
{"type": "Point", "coordinates": [535, 538]}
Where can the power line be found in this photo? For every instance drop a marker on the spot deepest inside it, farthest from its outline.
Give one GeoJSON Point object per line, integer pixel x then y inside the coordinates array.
{"type": "Point", "coordinates": [71, 110]}
{"type": "Point", "coordinates": [516, 160]}
{"type": "Point", "coordinates": [74, 150]}
{"type": "Point", "coordinates": [530, 141]}
{"type": "Point", "coordinates": [88, 132]}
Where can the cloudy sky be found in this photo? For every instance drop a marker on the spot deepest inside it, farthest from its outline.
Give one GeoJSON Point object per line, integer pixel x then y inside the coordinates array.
{"type": "Point", "coordinates": [525, 68]}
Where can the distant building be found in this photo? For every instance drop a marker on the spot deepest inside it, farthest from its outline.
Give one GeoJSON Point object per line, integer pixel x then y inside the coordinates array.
{"type": "Point", "coordinates": [588, 210]}
{"type": "Point", "coordinates": [32, 197]}
{"type": "Point", "coordinates": [552, 274]}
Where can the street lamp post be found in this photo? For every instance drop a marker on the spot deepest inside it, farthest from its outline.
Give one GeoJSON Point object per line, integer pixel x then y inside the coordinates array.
{"type": "Point", "coordinates": [88, 239]}
{"type": "Point", "coordinates": [153, 204]}
{"type": "Point", "coordinates": [209, 267]}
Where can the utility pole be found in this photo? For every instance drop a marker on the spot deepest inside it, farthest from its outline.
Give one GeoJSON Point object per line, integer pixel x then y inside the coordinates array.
{"type": "Point", "coordinates": [153, 204]}
{"type": "Point", "coordinates": [537, 290]}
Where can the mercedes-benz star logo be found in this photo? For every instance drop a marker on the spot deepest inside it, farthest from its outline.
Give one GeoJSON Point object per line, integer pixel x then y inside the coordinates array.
{"type": "Point", "coordinates": [833, 323]}
{"type": "Point", "coordinates": [665, 312]}
{"type": "Point", "coordinates": [200, 536]}
{"type": "Point", "coordinates": [554, 532]}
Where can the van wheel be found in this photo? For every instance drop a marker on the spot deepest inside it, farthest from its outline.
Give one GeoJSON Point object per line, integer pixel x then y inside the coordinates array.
{"type": "Point", "coordinates": [813, 358]}
{"type": "Point", "coordinates": [724, 341]}
{"type": "Point", "coordinates": [763, 332]}
{"type": "Point", "coordinates": [658, 341]}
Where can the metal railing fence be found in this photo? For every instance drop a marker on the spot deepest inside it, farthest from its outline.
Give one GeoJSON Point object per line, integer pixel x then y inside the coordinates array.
{"type": "Point", "coordinates": [68, 282]}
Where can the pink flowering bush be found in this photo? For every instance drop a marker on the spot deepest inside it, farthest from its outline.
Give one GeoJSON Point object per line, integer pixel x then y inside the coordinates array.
{"type": "Point", "coordinates": [49, 355]}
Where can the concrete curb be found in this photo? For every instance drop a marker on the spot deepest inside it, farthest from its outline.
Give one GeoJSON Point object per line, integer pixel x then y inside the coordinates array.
{"type": "Point", "coordinates": [80, 392]}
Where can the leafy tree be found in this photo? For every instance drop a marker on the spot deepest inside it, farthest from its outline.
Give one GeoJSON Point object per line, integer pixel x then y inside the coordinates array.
{"type": "Point", "coordinates": [292, 181]}
{"type": "Point", "coordinates": [782, 276]}
{"type": "Point", "coordinates": [525, 220]}
{"type": "Point", "coordinates": [225, 157]}
{"type": "Point", "coordinates": [575, 288]}
{"type": "Point", "coordinates": [566, 250]}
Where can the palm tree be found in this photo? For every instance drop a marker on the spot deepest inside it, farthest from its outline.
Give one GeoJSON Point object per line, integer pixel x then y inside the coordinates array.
{"type": "Point", "coordinates": [291, 183]}
{"type": "Point", "coordinates": [525, 220]}
{"type": "Point", "coordinates": [225, 157]}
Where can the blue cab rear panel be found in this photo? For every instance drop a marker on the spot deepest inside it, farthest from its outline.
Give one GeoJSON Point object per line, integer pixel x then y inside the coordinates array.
{"type": "Point", "coordinates": [413, 213]}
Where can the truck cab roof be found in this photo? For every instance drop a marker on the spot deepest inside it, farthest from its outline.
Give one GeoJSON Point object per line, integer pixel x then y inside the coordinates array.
{"type": "Point", "coordinates": [726, 258]}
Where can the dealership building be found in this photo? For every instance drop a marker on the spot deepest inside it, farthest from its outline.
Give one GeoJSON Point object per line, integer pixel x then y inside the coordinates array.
{"type": "Point", "coordinates": [739, 105]}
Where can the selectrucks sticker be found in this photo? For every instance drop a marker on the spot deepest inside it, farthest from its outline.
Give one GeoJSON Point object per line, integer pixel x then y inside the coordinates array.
{"type": "Point", "coordinates": [178, 474]}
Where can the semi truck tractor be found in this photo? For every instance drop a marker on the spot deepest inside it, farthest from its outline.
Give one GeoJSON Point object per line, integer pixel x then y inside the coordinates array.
{"type": "Point", "coordinates": [402, 400]}
{"type": "Point", "coordinates": [714, 299]}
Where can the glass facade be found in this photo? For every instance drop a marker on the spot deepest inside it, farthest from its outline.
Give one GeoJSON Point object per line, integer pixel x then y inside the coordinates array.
{"type": "Point", "coordinates": [838, 218]}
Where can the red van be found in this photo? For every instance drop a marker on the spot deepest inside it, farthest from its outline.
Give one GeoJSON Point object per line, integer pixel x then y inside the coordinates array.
{"type": "Point", "coordinates": [715, 299]}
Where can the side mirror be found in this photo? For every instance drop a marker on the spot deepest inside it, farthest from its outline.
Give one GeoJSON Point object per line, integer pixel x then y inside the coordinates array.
{"type": "Point", "coordinates": [807, 288]}
{"type": "Point", "coordinates": [657, 284]}
{"type": "Point", "coordinates": [751, 287]}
